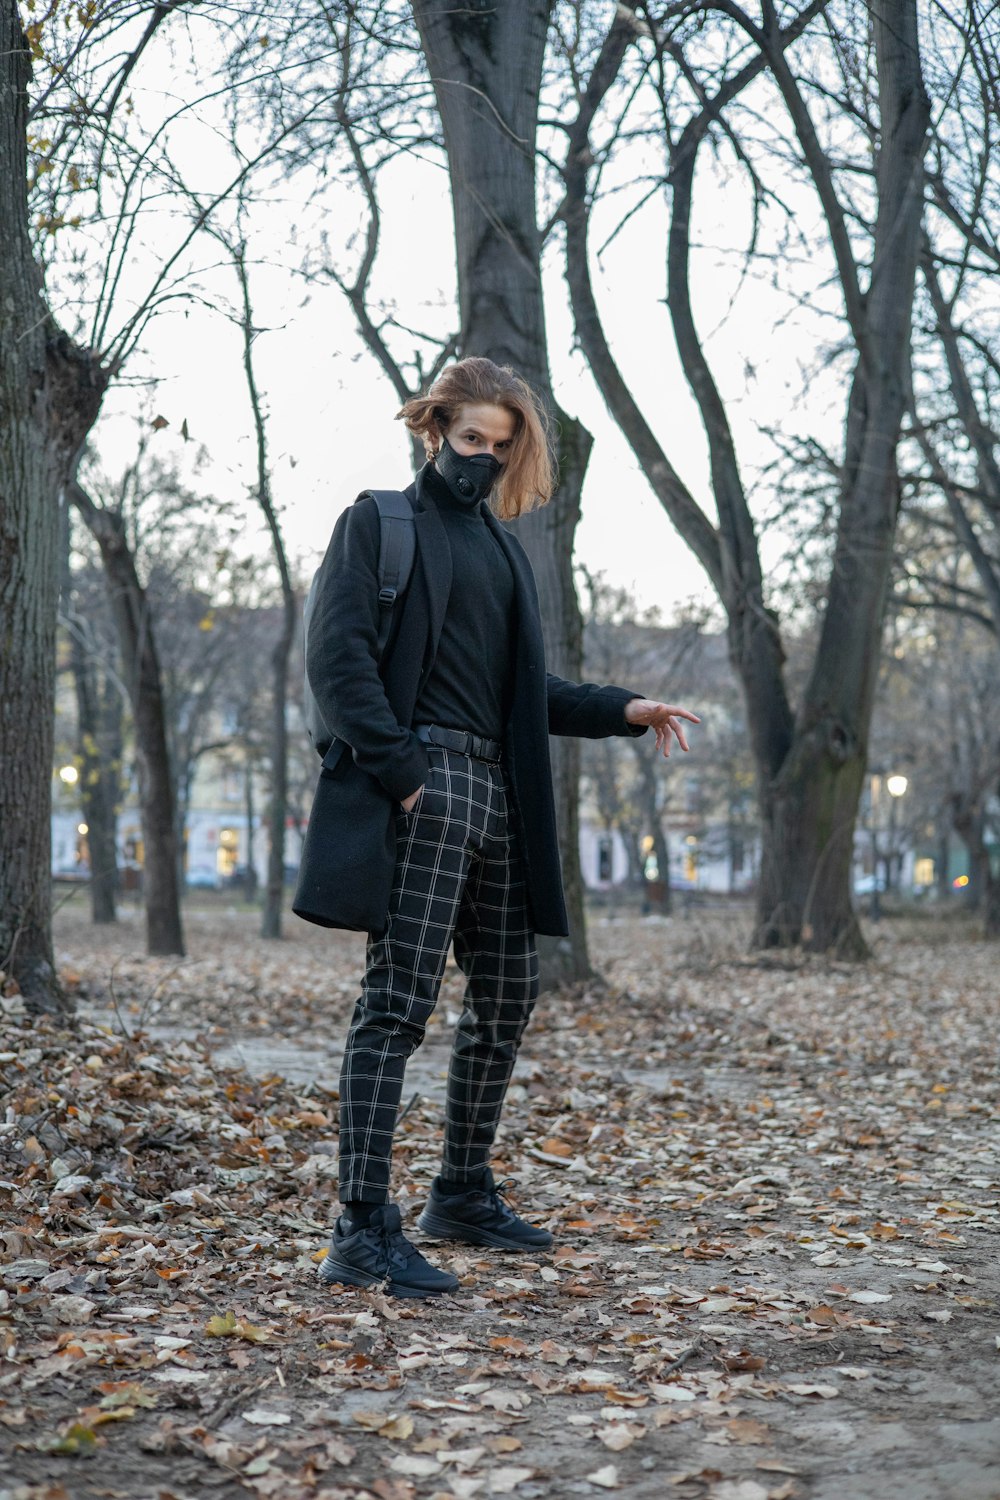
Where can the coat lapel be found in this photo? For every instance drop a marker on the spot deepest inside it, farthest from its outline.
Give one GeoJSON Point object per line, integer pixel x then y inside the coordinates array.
{"type": "Point", "coordinates": [530, 646]}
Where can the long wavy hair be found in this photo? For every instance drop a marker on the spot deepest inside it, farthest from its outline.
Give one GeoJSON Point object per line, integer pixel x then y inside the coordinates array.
{"type": "Point", "coordinates": [528, 477]}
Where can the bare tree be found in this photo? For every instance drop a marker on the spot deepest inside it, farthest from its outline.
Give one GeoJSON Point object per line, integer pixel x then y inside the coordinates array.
{"type": "Point", "coordinates": [45, 382]}
{"type": "Point", "coordinates": [810, 758]}
{"type": "Point", "coordinates": [100, 702]}
{"type": "Point", "coordinates": [143, 682]}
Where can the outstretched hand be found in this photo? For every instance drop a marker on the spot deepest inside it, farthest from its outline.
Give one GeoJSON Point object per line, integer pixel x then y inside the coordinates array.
{"type": "Point", "coordinates": [663, 718]}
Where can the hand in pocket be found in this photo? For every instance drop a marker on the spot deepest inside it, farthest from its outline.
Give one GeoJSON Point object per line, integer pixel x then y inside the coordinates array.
{"type": "Point", "coordinates": [410, 802]}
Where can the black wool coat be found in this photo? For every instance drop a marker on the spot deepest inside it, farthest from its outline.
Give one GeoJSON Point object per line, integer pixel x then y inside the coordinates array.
{"type": "Point", "coordinates": [376, 760]}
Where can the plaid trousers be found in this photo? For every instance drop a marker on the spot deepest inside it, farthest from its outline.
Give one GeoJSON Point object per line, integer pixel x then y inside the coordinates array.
{"type": "Point", "coordinates": [458, 879]}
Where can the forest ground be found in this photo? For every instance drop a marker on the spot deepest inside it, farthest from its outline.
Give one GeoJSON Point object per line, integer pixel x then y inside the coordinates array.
{"type": "Point", "coordinates": [773, 1185]}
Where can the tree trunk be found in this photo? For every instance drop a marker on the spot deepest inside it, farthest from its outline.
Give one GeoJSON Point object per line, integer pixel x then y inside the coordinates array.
{"type": "Point", "coordinates": [942, 866]}
{"type": "Point", "coordinates": [991, 904]}
{"type": "Point", "coordinates": [485, 62]}
{"type": "Point", "coordinates": [29, 571]}
{"type": "Point", "coordinates": [270, 926]}
{"type": "Point", "coordinates": [983, 893]}
{"type": "Point", "coordinates": [143, 682]}
{"type": "Point", "coordinates": [280, 656]}
{"type": "Point", "coordinates": [804, 883]}
{"type": "Point", "coordinates": [250, 881]}
{"type": "Point", "coordinates": [647, 768]}
{"type": "Point", "coordinates": [99, 750]}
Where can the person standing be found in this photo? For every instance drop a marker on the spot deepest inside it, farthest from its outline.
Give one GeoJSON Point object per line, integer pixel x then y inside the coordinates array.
{"type": "Point", "coordinates": [434, 822]}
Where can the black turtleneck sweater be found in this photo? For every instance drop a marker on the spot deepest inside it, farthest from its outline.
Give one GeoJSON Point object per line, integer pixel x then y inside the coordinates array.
{"type": "Point", "coordinates": [469, 686]}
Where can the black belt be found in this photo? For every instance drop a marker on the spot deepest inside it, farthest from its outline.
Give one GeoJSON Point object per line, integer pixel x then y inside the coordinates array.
{"type": "Point", "coordinates": [457, 739]}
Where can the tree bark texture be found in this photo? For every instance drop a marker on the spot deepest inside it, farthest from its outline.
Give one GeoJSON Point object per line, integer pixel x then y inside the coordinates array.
{"type": "Point", "coordinates": [50, 393]}
{"type": "Point", "coordinates": [809, 764]}
{"type": "Point", "coordinates": [969, 822]}
{"type": "Point", "coordinates": [485, 62]}
{"type": "Point", "coordinates": [99, 752]}
{"type": "Point", "coordinates": [29, 567]}
{"type": "Point", "coordinates": [141, 670]}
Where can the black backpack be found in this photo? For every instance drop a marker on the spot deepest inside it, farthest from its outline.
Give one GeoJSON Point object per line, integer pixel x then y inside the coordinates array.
{"type": "Point", "coordinates": [397, 548]}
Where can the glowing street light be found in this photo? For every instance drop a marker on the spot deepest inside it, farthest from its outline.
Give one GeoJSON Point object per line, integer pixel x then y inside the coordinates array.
{"type": "Point", "coordinates": [896, 787]}
{"type": "Point", "coordinates": [69, 775]}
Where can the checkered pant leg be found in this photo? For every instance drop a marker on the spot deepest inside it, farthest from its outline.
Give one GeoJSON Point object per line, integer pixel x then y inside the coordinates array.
{"type": "Point", "coordinates": [495, 949]}
{"type": "Point", "coordinates": [457, 831]}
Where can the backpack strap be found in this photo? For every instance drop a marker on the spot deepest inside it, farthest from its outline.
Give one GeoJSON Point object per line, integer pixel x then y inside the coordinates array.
{"type": "Point", "coordinates": [396, 553]}
{"type": "Point", "coordinates": [397, 550]}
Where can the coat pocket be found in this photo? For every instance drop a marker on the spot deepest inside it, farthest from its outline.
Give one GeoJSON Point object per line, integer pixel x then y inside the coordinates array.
{"type": "Point", "coordinates": [345, 875]}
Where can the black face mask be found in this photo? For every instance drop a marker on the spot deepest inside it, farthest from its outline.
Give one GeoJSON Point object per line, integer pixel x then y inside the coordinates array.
{"type": "Point", "coordinates": [470, 479]}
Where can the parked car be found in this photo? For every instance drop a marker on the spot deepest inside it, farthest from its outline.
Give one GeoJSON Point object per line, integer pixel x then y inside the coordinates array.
{"type": "Point", "coordinates": [865, 885]}
{"type": "Point", "coordinates": [74, 874]}
{"type": "Point", "coordinates": [202, 877]}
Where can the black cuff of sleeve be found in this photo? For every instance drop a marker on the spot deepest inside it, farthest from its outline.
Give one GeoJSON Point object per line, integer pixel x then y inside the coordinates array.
{"type": "Point", "coordinates": [408, 773]}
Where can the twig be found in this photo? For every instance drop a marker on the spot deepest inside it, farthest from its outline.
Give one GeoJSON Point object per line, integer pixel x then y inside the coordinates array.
{"type": "Point", "coordinates": [683, 1358]}
{"type": "Point", "coordinates": [404, 1112]}
{"type": "Point", "coordinates": [114, 1002]}
{"type": "Point", "coordinates": [242, 1394]}
{"type": "Point", "coordinates": [155, 991]}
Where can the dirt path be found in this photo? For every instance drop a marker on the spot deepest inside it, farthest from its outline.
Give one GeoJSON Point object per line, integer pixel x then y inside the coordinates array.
{"type": "Point", "coordinates": [774, 1190]}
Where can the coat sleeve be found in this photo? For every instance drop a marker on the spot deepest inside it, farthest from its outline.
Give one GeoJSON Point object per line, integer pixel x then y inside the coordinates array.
{"type": "Point", "coordinates": [342, 656]}
{"type": "Point", "coordinates": [585, 709]}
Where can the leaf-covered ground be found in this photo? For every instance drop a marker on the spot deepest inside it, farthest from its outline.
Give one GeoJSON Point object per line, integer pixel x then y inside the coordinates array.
{"type": "Point", "coordinates": [774, 1189]}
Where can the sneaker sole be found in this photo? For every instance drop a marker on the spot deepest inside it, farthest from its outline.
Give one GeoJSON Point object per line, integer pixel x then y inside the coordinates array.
{"type": "Point", "coordinates": [453, 1229]}
{"type": "Point", "coordinates": [348, 1276]}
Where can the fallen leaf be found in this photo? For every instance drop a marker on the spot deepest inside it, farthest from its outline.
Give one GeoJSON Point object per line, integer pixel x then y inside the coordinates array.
{"type": "Point", "coordinates": [672, 1393]}
{"type": "Point", "coordinates": [415, 1466]}
{"type": "Point", "coordinates": [76, 1439]}
{"type": "Point", "coordinates": [619, 1435]}
{"type": "Point", "coordinates": [746, 1430]}
{"type": "Point", "coordinates": [260, 1417]}
{"type": "Point", "coordinates": [738, 1489]}
{"type": "Point", "coordinates": [508, 1345]}
{"type": "Point", "coordinates": [385, 1423]}
{"type": "Point", "coordinates": [229, 1326]}
{"type": "Point", "coordinates": [505, 1479]}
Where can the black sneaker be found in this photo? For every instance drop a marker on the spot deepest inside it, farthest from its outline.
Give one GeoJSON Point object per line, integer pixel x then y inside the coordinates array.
{"type": "Point", "coordinates": [480, 1216]}
{"type": "Point", "coordinates": [379, 1252]}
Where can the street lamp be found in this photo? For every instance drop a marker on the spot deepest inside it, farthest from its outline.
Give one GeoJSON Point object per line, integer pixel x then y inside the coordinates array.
{"type": "Point", "coordinates": [896, 787]}
{"type": "Point", "coordinates": [69, 775]}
